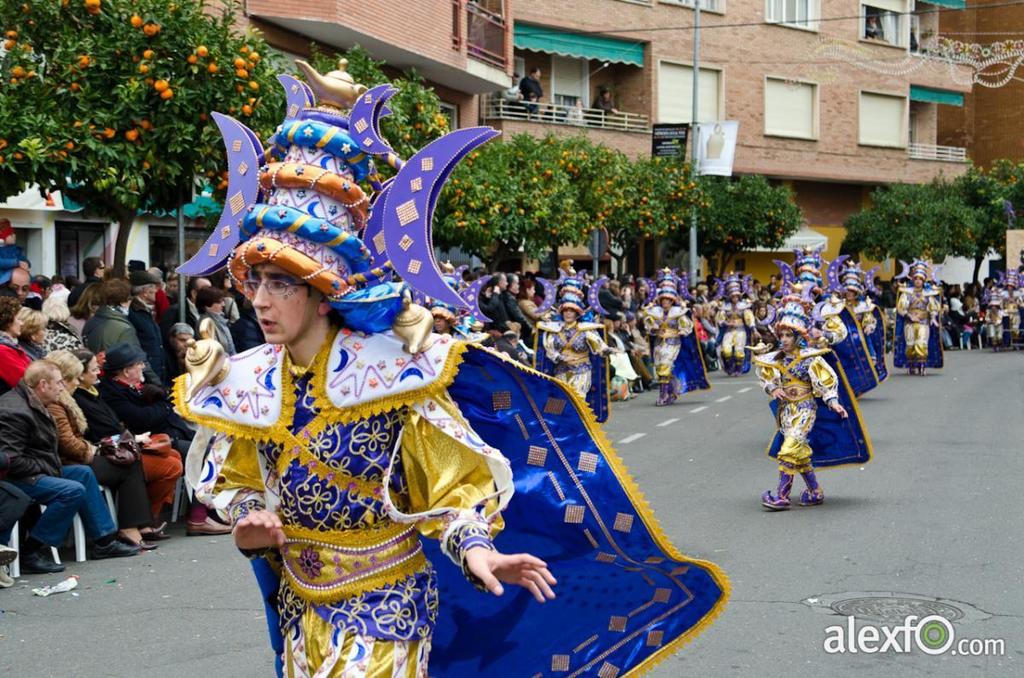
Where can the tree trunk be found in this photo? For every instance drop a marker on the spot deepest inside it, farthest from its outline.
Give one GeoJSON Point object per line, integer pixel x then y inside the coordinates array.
{"type": "Point", "coordinates": [723, 262]}
{"type": "Point", "coordinates": [977, 268]}
{"type": "Point", "coordinates": [125, 220]}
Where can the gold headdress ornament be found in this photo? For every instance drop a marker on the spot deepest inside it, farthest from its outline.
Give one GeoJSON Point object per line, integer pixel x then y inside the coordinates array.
{"type": "Point", "coordinates": [336, 89]}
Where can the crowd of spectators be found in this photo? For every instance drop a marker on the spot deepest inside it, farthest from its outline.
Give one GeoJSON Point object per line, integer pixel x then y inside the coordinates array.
{"type": "Point", "coordinates": [86, 370]}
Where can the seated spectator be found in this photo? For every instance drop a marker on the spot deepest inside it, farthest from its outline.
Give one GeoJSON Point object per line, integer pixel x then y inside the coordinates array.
{"type": "Point", "coordinates": [110, 325]}
{"type": "Point", "coordinates": [88, 303]}
{"type": "Point", "coordinates": [210, 302]}
{"type": "Point", "coordinates": [147, 409]}
{"type": "Point", "coordinates": [162, 302]}
{"type": "Point", "coordinates": [13, 359]}
{"type": "Point", "coordinates": [28, 437]}
{"type": "Point", "coordinates": [161, 472]}
{"type": "Point", "coordinates": [20, 284]}
{"type": "Point", "coordinates": [32, 338]}
{"type": "Point", "coordinates": [177, 341]}
{"type": "Point", "coordinates": [60, 335]}
{"type": "Point", "coordinates": [128, 482]}
{"type": "Point", "coordinates": [13, 503]}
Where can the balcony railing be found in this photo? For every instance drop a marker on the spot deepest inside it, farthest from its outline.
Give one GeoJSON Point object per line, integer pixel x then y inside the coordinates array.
{"type": "Point", "coordinates": [486, 34]}
{"type": "Point", "coordinates": [497, 108]}
{"type": "Point", "coordinates": [933, 152]}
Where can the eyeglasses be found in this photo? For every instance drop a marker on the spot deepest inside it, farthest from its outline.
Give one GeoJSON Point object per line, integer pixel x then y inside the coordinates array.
{"type": "Point", "coordinates": [274, 286]}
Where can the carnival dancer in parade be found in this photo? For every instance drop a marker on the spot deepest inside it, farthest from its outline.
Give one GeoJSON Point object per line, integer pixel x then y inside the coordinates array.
{"type": "Point", "coordinates": [917, 346]}
{"type": "Point", "coordinates": [841, 312]}
{"type": "Point", "coordinates": [797, 378]}
{"type": "Point", "coordinates": [573, 349]}
{"type": "Point", "coordinates": [1012, 307]}
{"type": "Point", "coordinates": [993, 330]}
{"type": "Point", "coordinates": [856, 283]}
{"type": "Point", "coordinates": [356, 430]}
{"type": "Point", "coordinates": [678, 362]}
{"type": "Point", "coordinates": [736, 325]}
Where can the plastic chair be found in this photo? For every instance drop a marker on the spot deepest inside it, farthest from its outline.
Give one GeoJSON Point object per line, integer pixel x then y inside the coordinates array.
{"type": "Point", "coordinates": [15, 566]}
{"type": "Point", "coordinates": [78, 533]}
{"type": "Point", "coordinates": [109, 496]}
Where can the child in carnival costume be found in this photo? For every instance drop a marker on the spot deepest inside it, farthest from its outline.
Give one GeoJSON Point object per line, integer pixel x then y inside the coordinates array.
{"type": "Point", "coordinates": [855, 283]}
{"type": "Point", "coordinates": [573, 349]}
{"type": "Point", "coordinates": [917, 314]}
{"type": "Point", "coordinates": [798, 377]}
{"type": "Point", "coordinates": [678, 363]}
{"type": "Point", "coordinates": [11, 254]}
{"type": "Point", "coordinates": [356, 430]}
{"type": "Point", "coordinates": [992, 300]}
{"type": "Point", "coordinates": [736, 325]}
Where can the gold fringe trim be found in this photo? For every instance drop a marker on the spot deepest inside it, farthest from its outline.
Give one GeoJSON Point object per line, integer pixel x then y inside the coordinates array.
{"type": "Point", "coordinates": [645, 512]}
{"type": "Point", "coordinates": [350, 539]}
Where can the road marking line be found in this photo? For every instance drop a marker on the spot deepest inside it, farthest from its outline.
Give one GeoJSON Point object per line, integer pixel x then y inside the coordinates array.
{"type": "Point", "coordinates": [723, 399]}
{"type": "Point", "coordinates": [744, 390]}
{"type": "Point", "coordinates": [667, 422]}
{"type": "Point", "coordinates": [629, 439]}
{"type": "Point", "coordinates": [698, 409]}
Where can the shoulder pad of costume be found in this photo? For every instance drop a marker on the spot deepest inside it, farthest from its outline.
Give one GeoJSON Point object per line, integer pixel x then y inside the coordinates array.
{"type": "Point", "coordinates": [589, 327]}
{"type": "Point", "coordinates": [549, 326]}
{"type": "Point", "coordinates": [812, 352]}
{"type": "Point", "coordinates": [770, 359]}
{"type": "Point", "coordinates": [248, 398]}
{"type": "Point", "coordinates": [372, 373]}
{"type": "Point", "coordinates": [676, 311]}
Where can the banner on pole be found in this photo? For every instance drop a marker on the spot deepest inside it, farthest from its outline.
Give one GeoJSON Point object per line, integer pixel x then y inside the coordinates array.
{"type": "Point", "coordinates": [716, 147]}
{"type": "Point", "coordinates": [668, 140]}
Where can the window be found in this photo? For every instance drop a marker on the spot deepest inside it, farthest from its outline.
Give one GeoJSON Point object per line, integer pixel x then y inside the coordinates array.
{"type": "Point", "coordinates": [519, 67]}
{"type": "Point", "coordinates": [451, 112]}
{"type": "Point", "coordinates": [885, 21]}
{"type": "Point", "coordinates": [675, 93]}
{"type": "Point", "coordinates": [883, 120]}
{"type": "Point", "coordinates": [790, 108]}
{"type": "Point", "coordinates": [569, 81]}
{"type": "Point", "coordinates": [801, 13]}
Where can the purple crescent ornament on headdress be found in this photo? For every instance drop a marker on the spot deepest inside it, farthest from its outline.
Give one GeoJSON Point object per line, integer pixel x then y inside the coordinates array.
{"type": "Point", "coordinates": [593, 296]}
{"type": "Point", "coordinates": [471, 297]}
{"type": "Point", "coordinates": [832, 272]}
{"type": "Point", "coordinates": [550, 295]}
{"type": "Point", "coordinates": [297, 94]}
{"type": "Point", "coordinates": [244, 160]}
{"type": "Point", "coordinates": [788, 275]}
{"type": "Point", "coordinates": [364, 125]}
{"type": "Point", "coordinates": [409, 210]}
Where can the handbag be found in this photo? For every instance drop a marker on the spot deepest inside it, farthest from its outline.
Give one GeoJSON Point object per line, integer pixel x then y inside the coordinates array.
{"type": "Point", "coordinates": [159, 445]}
{"type": "Point", "coordinates": [119, 450]}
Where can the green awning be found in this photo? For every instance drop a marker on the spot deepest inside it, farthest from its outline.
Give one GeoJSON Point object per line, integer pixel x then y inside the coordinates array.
{"type": "Point", "coordinates": [936, 96]}
{"type": "Point", "coordinates": [952, 4]}
{"type": "Point", "coordinates": [579, 45]}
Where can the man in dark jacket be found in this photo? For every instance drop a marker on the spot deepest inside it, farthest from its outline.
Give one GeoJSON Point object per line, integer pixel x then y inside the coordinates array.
{"type": "Point", "coordinates": [28, 437]}
{"type": "Point", "coordinates": [141, 316]}
{"type": "Point", "coordinates": [93, 268]}
{"type": "Point", "coordinates": [13, 503]}
{"type": "Point", "coordinates": [510, 302]}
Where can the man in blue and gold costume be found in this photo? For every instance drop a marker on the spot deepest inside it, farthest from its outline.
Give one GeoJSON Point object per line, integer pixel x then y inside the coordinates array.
{"type": "Point", "coordinates": [678, 362]}
{"type": "Point", "coordinates": [918, 343]}
{"type": "Point", "coordinates": [357, 431]}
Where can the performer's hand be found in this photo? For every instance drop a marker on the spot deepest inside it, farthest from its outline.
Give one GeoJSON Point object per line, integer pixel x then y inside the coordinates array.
{"type": "Point", "coordinates": [838, 409]}
{"type": "Point", "coordinates": [259, 530]}
{"type": "Point", "coordinates": [779, 394]}
{"type": "Point", "coordinates": [522, 569]}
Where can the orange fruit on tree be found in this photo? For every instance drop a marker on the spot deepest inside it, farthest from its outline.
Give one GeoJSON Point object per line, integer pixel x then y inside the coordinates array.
{"type": "Point", "coordinates": [246, 109]}
{"type": "Point", "coordinates": [254, 57]}
{"type": "Point", "coordinates": [148, 54]}
{"type": "Point", "coordinates": [18, 156]}
{"type": "Point", "coordinates": [244, 49]}
{"type": "Point", "coordinates": [143, 68]}
{"type": "Point", "coordinates": [109, 132]}
{"type": "Point", "coordinates": [89, 4]}
{"type": "Point", "coordinates": [145, 165]}
{"type": "Point", "coordinates": [192, 58]}
{"type": "Point", "coordinates": [161, 85]}
{"type": "Point", "coordinates": [18, 72]}
{"type": "Point", "coordinates": [202, 51]}
{"type": "Point", "coordinates": [239, 89]}
{"type": "Point", "coordinates": [136, 21]}
{"type": "Point", "coordinates": [149, 81]}
{"type": "Point", "coordinates": [253, 85]}
{"type": "Point", "coordinates": [242, 73]}
{"type": "Point", "coordinates": [146, 124]}
{"type": "Point", "coordinates": [11, 34]}
{"type": "Point", "coordinates": [212, 68]}
{"type": "Point", "coordinates": [151, 29]}
{"type": "Point", "coordinates": [84, 61]}
{"type": "Point", "coordinates": [203, 116]}
{"type": "Point", "coordinates": [167, 94]}
{"type": "Point", "coordinates": [132, 135]}
{"type": "Point", "coordinates": [70, 145]}
{"type": "Point", "coordinates": [9, 44]}
{"type": "Point", "coordinates": [75, 87]}
{"type": "Point", "coordinates": [239, 62]}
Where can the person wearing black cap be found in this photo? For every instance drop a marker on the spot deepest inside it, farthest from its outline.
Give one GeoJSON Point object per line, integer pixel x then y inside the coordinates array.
{"type": "Point", "coordinates": [141, 316]}
{"type": "Point", "coordinates": [147, 410]}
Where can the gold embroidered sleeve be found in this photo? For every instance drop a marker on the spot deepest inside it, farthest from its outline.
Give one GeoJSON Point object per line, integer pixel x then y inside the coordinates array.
{"type": "Point", "coordinates": [240, 475]}
{"type": "Point", "coordinates": [824, 380]}
{"type": "Point", "coordinates": [902, 304]}
{"type": "Point", "coordinates": [769, 377]}
{"type": "Point", "coordinates": [443, 473]}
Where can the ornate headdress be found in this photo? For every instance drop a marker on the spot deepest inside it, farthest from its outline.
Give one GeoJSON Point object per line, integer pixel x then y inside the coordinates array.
{"type": "Point", "coordinates": [806, 268]}
{"type": "Point", "coordinates": [852, 278]}
{"type": "Point", "coordinates": [313, 203]}
{"type": "Point", "coordinates": [733, 284]}
{"type": "Point", "coordinates": [571, 297]}
{"type": "Point", "coordinates": [919, 268]}
{"type": "Point", "coordinates": [1012, 279]}
{"type": "Point", "coordinates": [795, 312]}
{"type": "Point", "coordinates": [667, 286]}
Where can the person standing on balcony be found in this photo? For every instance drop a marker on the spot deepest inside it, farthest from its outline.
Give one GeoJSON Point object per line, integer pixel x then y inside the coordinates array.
{"type": "Point", "coordinates": [532, 91]}
{"type": "Point", "coordinates": [604, 102]}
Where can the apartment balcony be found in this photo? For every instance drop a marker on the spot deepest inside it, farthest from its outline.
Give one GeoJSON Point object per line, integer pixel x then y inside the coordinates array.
{"type": "Point", "coordinates": [496, 108]}
{"type": "Point", "coordinates": [461, 45]}
{"type": "Point", "coordinates": [934, 152]}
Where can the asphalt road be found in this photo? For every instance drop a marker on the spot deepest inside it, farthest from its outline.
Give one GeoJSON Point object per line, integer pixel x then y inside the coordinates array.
{"type": "Point", "coordinates": [933, 523]}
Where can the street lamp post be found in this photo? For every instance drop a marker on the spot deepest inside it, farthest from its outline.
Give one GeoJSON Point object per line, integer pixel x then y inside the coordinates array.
{"type": "Point", "coordinates": [695, 136]}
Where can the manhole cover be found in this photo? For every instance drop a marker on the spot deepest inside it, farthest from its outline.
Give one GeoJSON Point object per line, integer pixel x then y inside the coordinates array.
{"type": "Point", "coordinates": [894, 609]}
{"type": "Point", "coordinates": [889, 607]}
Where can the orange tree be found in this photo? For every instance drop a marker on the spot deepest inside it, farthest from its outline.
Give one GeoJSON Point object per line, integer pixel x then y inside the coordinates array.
{"type": "Point", "coordinates": [516, 195]}
{"type": "Point", "coordinates": [644, 198]}
{"type": "Point", "coordinates": [108, 101]}
{"type": "Point", "coordinates": [738, 215]}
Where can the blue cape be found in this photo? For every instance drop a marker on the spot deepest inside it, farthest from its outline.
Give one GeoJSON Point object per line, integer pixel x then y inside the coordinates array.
{"type": "Point", "coordinates": [899, 346]}
{"type": "Point", "coordinates": [599, 397]}
{"type": "Point", "coordinates": [689, 366]}
{"type": "Point", "coordinates": [876, 344]}
{"type": "Point", "coordinates": [855, 356]}
{"type": "Point", "coordinates": [834, 441]}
